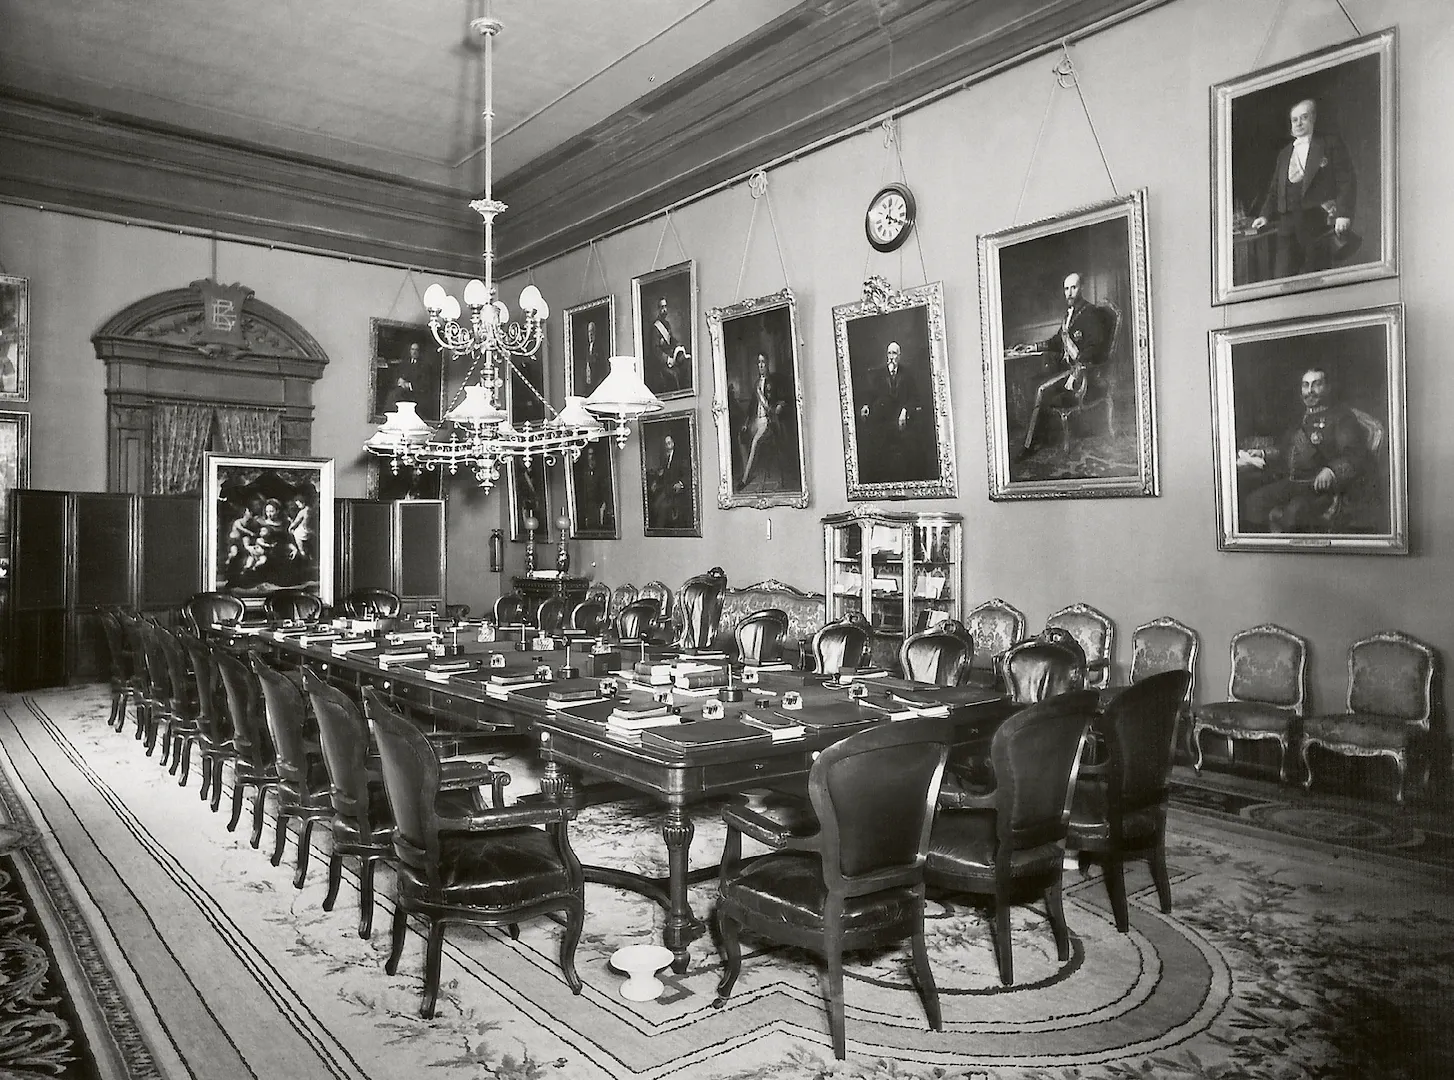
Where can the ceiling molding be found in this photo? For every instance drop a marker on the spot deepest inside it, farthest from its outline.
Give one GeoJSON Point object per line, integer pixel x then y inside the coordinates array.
{"type": "Point", "coordinates": [826, 78]}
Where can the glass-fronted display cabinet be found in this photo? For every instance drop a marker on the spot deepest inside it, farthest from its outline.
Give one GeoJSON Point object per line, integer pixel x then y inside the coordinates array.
{"type": "Point", "coordinates": [900, 570]}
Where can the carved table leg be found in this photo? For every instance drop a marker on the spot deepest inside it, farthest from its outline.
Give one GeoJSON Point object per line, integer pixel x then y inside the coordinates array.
{"type": "Point", "coordinates": [682, 927]}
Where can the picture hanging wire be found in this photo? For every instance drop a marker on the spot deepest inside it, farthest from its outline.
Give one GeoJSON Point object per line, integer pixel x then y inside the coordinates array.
{"type": "Point", "coordinates": [593, 255]}
{"type": "Point", "coordinates": [1277, 15]}
{"type": "Point", "coordinates": [894, 154]}
{"type": "Point", "coordinates": [407, 279]}
{"type": "Point", "coordinates": [757, 186]}
{"type": "Point", "coordinates": [672, 225]}
{"type": "Point", "coordinates": [1066, 78]}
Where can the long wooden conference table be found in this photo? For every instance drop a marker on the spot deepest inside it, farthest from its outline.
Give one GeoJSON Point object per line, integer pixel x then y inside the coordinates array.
{"type": "Point", "coordinates": [577, 745]}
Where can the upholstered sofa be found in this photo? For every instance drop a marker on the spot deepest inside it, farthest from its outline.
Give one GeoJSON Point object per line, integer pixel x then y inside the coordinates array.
{"type": "Point", "coordinates": [806, 611]}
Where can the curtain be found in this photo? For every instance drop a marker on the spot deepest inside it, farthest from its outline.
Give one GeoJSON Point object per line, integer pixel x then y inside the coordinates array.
{"type": "Point", "coordinates": [179, 435]}
{"type": "Point", "coordinates": [249, 431]}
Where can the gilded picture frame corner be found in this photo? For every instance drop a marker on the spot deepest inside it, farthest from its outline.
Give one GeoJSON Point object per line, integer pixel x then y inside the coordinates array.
{"type": "Point", "coordinates": [1061, 424]}
{"type": "Point", "coordinates": [1270, 447]}
{"type": "Point", "coordinates": [892, 411]}
{"type": "Point", "coordinates": [1353, 87]}
{"type": "Point", "coordinates": [758, 410]}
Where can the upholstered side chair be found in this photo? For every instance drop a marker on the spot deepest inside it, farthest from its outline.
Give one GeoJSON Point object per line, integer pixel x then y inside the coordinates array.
{"type": "Point", "coordinates": [621, 595]}
{"type": "Point", "coordinates": [1163, 644]}
{"type": "Point", "coordinates": [1267, 693]}
{"type": "Point", "coordinates": [1097, 636]}
{"type": "Point", "coordinates": [1390, 707]}
{"type": "Point", "coordinates": [994, 625]}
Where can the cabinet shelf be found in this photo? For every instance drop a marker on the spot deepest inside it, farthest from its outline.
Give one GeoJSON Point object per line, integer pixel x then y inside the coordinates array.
{"type": "Point", "coordinates": [896, 567]}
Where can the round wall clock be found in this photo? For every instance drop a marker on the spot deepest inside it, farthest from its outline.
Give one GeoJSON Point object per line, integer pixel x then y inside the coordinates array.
{"type": "Point", "coordinates": [889, 218]}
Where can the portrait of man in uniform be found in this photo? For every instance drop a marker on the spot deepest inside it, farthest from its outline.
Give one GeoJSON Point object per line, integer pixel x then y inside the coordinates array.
{"type": "Point", "coordinates": [664, 304]}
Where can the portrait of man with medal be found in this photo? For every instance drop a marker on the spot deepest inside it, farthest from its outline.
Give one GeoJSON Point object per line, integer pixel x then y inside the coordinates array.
{"type": "Point", "coordinates": [1297, 483]}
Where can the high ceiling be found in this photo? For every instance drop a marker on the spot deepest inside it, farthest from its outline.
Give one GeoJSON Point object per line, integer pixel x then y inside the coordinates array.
{"type": "Point", "coordinates": [605, 110]}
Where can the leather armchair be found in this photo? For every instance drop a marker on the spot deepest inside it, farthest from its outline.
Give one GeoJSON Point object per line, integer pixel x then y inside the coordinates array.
{"type": "Point", "coordinates": [857, 882]}
{"type": "Point", "coordinates": [1267, 692]}
{"type": "Point", "coordinates": [121, 668]}
{"type": "Point", "coordinates": [133, 629]}
{"type": "Point", "coordinates": [588, 616]}
{"type": "Point", "coordinates": [941, 655]}
{"type": "Point", "coordinates": [302, 787]}
{"type": "Point", "coordinates": [1119, 807]}
{"type": "Point", "coordinates": [840, 644]}
{"type": "Point", "coordinates": [362, 822]}
{"type": "Point", "coordinates": [994, 625]}
{"type": "Point", "coordinates": [286, 606]}
{"type": "Point", "coordinates": [214, 734]}
{"type": "Point", "coordinates": [1389, 710]}
{"type": "Point", "coordinates": [510, 610]}
{"type": "Point", "coordinates": [1035, 670]}
{"type": "Point", "coordinates": [253, 765]}
{"type": "Point", "coordinates": [492, 868]}
{"type": "Point", "coordinates": [550, 616]}
{"type": "Point", "coordinates": [372, 604]}
{"type": "Point", "coordinates": [1009, 841]}
{"type": "Point", "coordinates": [760, 636]}
{"type": "Point", "coordinates": [182, 705]}
{"type": "Point", "coordinates": [1095, 633]}
{"type": "Point", "coordinates": [638, 620]}
{"type": "Point", "coordinates": [205, 610]}
{"type": "Point", "coordinates": [700, 601]}
{"type": "Point", "coordinates": [621, 595]}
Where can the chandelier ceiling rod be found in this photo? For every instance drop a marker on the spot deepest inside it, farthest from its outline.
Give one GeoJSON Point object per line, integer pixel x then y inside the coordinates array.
{"type": "Point", "coordinates": [476, 431]}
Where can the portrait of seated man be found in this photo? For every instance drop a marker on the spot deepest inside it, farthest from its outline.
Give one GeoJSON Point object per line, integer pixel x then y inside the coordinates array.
{"type": "Point", "coordinates": [1319, 474]}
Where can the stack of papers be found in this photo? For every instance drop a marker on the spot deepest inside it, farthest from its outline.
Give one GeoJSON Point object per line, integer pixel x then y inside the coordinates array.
{"type": "Point", "coordinates": [394, 659]}
{"type": "Point", "coordinates": [344, 646]}
{"type": "Point", "coordinates": [775, 724]}
{"type": "Point", "coordinates": [401, 637]}
{"type": "Point", "coordinates": [502, 692]}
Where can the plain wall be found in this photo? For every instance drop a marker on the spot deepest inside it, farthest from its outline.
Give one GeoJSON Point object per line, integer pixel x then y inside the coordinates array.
{"type": "Point", "coordinates": [968, 157]}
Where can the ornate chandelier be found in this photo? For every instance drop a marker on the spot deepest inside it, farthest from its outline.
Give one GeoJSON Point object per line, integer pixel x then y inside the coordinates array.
{"type": "Point", "coordinates": [476, 432]}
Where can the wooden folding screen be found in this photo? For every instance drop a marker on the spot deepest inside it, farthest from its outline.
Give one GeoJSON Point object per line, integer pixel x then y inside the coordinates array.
{"type": "Point", "coordinates": [399, 546]}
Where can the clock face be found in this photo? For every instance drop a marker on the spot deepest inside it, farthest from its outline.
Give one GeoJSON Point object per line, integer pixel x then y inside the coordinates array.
{"type": "Point", "coordinates": [889, 218]}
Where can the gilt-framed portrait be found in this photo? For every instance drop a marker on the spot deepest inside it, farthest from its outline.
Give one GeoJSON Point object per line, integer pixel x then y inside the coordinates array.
{"type": "Point", "coordinates": [14, 338]}
{"type": "Point", "coordinates": [1309, 421]}
{"type": "Point", "coordinates": [590, 492]}
{"type": "Point", "coordinates": [670, 480]}
{"type": "Point", "coordinates": [525, 389]}
{"type": "Point", "coordinates": [405, 365]}
{"type": "Point", "coordinates": [14, 467]}
{"type": "Point", "coordinates": [590, 342]}
{"type": "Point", "coordinates": [270, 524]}
{"type": "Point", "coordinates": [893, 389]}
{"type": "Point", "coordinates": [1065, 318]}
{"type": "Point", "coordinates": [664, 315]}
{"type": "Point", "coordinates": [757, 403]}
{"type": "Point", "coordinates": [1304, 162]}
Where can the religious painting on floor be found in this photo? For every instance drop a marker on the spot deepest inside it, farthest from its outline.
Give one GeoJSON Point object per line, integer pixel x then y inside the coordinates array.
{"type": "Point", "coordinates": [1065, 316]}
{"type": "Point", "coordinates": [670, 481]}
{"type": "Point", "coordinates": [590, 492]}
{"type": "Point", "coordinates": [1304, 155]}
{"type": "Point", "coordinates": [14, 467]}
{"type": "Point", "coordinates": [529, 487]}
{"type": "Point", "coordinates": [406, 366]}
{"type": "Point", "coordinates": [1308, 415]}
{"type": "Point", "coordinates": [664, 313]}
{"type": "Point", "coordinates": [590, 342]}
{"type": "Point", "coordinates": [270, 520]}
{"type": "Point", "coordinates": [406, 482]}
{"type": "Point", "coordinates": [14, 338]}
{"type": "Point", "coordinates": [893, 389]}
{"type": "Point", "coordinates": [758, 403]}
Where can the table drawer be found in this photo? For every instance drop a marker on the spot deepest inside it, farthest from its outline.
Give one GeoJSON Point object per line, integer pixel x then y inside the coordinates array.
{"type": "Point", "coordinates": [730, 774]}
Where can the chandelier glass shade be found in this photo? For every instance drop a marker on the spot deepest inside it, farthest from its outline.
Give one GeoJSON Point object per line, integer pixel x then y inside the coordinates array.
{"type": "Point", "coordinates": [476, 432]}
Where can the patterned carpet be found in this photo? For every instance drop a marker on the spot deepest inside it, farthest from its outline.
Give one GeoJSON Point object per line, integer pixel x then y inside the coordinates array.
{"type": "Point", "coordinates": [1282, 958]}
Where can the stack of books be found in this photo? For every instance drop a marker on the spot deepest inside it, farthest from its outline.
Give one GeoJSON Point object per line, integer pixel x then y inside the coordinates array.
{"type": "Point", "coordinates": [652, 672]}
{"type": "Point", "coordinates": [318, 636]}
{"type": "Point", "coordinates": [777, 724]}
{"type": "Point", "coordinates": [573, 691]}
{"type": "Point", "coordinates": [514, 678]}
{"type": "Point", "coordinates": [404, 637]}
{"type": "Point", "coordinates": [629, 720]}
{"type": "Point", "coordinates": [393, 655]}
{"type": "Point", "coordinates": [442, 671]}
{"type": "Point", "coordinates": [344, 646]}
{"type": "Point", "coordinates": [770, 665]}
{"type": "Point", "coordinates": [689, 676]}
